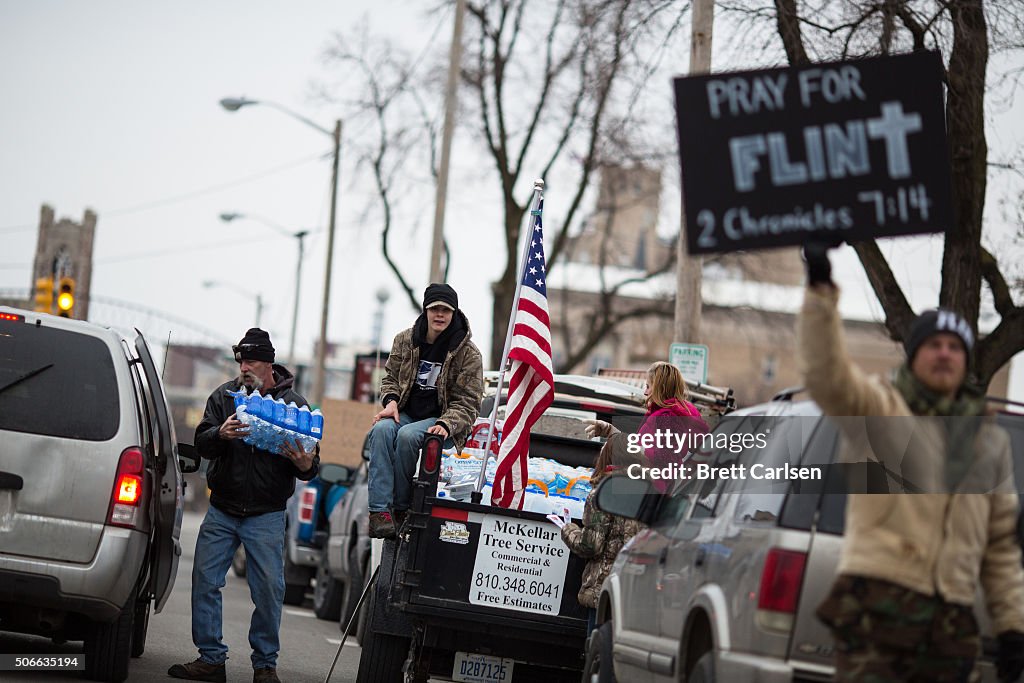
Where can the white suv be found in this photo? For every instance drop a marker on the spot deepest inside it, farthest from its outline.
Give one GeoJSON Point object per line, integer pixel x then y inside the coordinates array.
{"type": "Point", "coordinates": [91, 492]}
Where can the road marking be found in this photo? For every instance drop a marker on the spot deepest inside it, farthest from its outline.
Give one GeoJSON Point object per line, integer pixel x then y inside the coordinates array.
{"type": "Point", "coordinates": [337, 641]}
{"type": "Point", "coordinates": [299, 613]}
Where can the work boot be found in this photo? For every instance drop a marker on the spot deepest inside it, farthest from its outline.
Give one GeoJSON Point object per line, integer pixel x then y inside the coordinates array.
{"type": "Point", "coordinates": [265, 676]}
{"type": "Point", "coordinates": [381, 525]}
{"type": "Point", "coordinates": [199, 671]}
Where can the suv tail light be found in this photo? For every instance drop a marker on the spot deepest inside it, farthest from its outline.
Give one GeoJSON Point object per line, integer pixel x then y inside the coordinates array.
{"type": "Point", "coordinates": [128, 489]}
{"type": "Point", "coordinates": [781, 579]}
{"type": "Point", "coordinates": [307, 504]}
{"type": "Point", "coordinates": [431, 455]}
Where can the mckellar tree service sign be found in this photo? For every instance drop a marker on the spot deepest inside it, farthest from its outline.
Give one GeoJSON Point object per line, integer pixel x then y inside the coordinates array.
{"type": "Point", "coordinates": [840, 151]}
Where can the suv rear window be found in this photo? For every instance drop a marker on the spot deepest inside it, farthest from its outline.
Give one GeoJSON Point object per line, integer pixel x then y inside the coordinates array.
{"type": "Point", "coordinates": [56, 383]}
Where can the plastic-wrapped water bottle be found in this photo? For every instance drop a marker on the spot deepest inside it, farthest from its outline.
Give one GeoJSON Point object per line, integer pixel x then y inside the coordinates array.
{"type": "Point", "coordinates": [304, 420]}
{"type": "Point", "coordinates": [316, 426]}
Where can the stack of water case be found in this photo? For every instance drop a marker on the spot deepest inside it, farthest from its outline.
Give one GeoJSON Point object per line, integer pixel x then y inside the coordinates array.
{"type": "Point", "coordinates": [272, 423]}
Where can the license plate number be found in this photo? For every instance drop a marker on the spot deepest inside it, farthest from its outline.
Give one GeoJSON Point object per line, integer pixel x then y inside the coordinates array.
{"type": "Point", "coordinates": [474, 668]}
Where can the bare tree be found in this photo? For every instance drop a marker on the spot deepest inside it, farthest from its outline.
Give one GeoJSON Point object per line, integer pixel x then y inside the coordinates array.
{"type": "Point", "coordinates": [554, 84]}
{"type": "Point", "coordinates": [964, 31]}
{"type": "Point", "coordinates": [396, 124]}
{"type": "Point", "coordinates": [554, 91]}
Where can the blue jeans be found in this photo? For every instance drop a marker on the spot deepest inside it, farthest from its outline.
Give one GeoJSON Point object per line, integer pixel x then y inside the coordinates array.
{"type": "Point", "coordinates": [394, 450]}
{"type": "Point", "coordinates": [262, 537]}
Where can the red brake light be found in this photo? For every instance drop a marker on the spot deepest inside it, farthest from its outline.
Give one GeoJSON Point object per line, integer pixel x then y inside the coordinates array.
{"type": "Point", "coordinates": [12, 317]}
{"type": "Point", "coordinates": [128, 488]}
{"type": "Point", "coordinates": [431, 455]}
{"type": "Point", "coordinates": [781, 579]}
{"type": "Point", "coordinates": [307, 503]}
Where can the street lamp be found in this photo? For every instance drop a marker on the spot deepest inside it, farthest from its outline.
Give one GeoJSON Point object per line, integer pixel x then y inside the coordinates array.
{"type": "Point", "coordinates": [236, 103]}
{"type": "Point", "coordinates": [300, 236]}
{"type": "Point", "coordinates": [258, 298]}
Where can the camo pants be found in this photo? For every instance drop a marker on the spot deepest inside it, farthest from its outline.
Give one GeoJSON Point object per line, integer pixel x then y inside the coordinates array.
{"type": "Point", "coordinates": [887, 633]}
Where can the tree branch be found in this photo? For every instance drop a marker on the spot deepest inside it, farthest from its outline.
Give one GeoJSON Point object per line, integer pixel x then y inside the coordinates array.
{"type": "Point", "coordinates": [1000, 291]}
{"type": "Point", "coordinates": [898, 313]}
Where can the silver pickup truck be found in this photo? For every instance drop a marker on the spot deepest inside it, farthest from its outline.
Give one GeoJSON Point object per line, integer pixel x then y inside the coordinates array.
{"type": "Point", "coordinates": [724, 584]}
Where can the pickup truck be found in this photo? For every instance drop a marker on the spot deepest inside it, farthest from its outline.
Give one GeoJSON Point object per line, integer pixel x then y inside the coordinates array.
{"type": "Point", "coordinates": [306, 537]}
{"type": "Point", "coordinates": [477, 593]}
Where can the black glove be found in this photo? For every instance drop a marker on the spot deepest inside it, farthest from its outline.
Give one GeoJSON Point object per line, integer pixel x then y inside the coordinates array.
{"type": "Point", "coordinates": [1010, 660]}
{"type": "Point", "coordinates": [819, 270]}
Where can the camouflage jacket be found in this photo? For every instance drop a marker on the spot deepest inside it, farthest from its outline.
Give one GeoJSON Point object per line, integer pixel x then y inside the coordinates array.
{"type": "Point", "coordinates": [460, 386]}
{"type": "Point", "coordinates": [599, 540]}
{"type": "Point", "coordinates": [934, 542]}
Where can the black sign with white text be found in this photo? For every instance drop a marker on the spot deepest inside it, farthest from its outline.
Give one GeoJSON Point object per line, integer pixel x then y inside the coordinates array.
{"type": "Point", "coordinates": [844, 150]}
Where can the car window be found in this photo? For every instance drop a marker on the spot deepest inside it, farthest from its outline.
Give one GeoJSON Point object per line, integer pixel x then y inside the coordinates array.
{"type": "Point", "coordinates": [762, 492]}
{"type": "Point", "coordinates": [708, 491]}
{"type": "Point", "coordinates": [804, 498]}
{"type": "Point", "coordinates": [57, 383]}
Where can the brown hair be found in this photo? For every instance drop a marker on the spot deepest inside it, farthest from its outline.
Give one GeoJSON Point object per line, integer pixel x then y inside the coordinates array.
{"type": "Point", "coordinates": [666, 383]}
{"type": "Point", "coordinates": [615, 451]}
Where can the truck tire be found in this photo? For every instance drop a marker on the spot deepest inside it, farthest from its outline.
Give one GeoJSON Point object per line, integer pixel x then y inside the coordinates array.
{"type": "Point", "coordinates": [598, 665]}
{"type": "Point", "coordinates": [108, 646]}
{"type": "Point", "coordinates": [238, 562]}
{"type": "Point", "coordinates": [294, 593]}
{"type": "Point", "coordinates": [704, 669]}
{"type": "Point", "coordinates": [327, 591]}
{"type": "Point", "coordinates": [141, 627]}
{"type": "Point", "coordinates": [362, 622]}
{"type": "Point", "coordinates": [353, 588]}
{"type": "Point", "coordinates": [382, 658]}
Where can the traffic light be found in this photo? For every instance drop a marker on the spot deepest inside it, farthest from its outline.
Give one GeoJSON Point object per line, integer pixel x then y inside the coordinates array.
{"type": "Point", "coordinates": [44, 295]}
{"type": "Point", "coordinates": [66, 297]}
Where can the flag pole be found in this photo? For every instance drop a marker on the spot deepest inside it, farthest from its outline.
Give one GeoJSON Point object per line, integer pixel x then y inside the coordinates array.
{"type": "Point", "coordinates": [536, 203]}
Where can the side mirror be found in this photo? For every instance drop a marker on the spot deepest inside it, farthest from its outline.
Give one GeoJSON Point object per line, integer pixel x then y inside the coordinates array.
{"type": "Point", "coordinates": [626, 497]}
{"type": "Point", "coordinates": [332, 473]}
{"type": "Point", "coordinates": [188, 458]}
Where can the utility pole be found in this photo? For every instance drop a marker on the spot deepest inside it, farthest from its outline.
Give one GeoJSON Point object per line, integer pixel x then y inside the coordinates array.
{"type": "Point", "coordinates": [320, 372]}
{"type": "Point", "coordinates": [689, 273]}
{"type": "Point", "coordinates": [451, 100]}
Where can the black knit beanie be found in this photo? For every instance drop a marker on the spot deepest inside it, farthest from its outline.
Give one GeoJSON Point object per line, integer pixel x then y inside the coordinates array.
{"type": "Point", "coordinates": [935, 321]}
{"type": "Point", "coordinates": [255, 345]}
{"type": "Point", "coordinates": [438, 294]}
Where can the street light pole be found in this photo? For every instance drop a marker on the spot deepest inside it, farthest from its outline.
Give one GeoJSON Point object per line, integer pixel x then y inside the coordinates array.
{"type": "Point", "coordinates": [295, 309]}
{"type": "Point", "coordinates": [319, 378]}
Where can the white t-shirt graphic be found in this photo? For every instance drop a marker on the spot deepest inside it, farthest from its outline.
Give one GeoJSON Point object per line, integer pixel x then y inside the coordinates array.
{"type": "Point", "coordinates": [426, 378]}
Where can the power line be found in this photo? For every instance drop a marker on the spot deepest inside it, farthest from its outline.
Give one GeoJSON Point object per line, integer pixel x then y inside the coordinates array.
{"type": "Point", "coordinates": [175, 199]}
{"type": "Point", "coordinates": [209, 190]}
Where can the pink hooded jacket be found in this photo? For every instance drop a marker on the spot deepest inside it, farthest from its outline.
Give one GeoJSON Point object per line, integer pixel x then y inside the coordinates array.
{"type": "Point", "coordinates": [678, 418]}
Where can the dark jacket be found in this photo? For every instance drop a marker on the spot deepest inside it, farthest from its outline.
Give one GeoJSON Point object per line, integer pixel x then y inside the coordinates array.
{"type": "Point", "coordinates": [245, 481]}
{"type": "Point", "coordinates": [599, 540]}
{"type": "Point", "coordinates": [460, 387]}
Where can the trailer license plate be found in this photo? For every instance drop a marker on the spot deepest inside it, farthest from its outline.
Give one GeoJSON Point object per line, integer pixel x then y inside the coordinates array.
{"type": "Point", "coordinates": [474, 668]}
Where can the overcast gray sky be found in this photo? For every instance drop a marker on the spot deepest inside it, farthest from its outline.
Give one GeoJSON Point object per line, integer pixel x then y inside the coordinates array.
{"type": "Point", "coordinates": [113, 106]}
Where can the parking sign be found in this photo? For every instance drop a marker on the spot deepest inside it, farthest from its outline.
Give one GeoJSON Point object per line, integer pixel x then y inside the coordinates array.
{"type": "Point", "coordinates": [692, 361]}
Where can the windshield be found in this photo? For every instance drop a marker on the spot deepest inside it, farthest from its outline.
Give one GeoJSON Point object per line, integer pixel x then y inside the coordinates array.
{"type": "Point", "coordinates": [56, 383]}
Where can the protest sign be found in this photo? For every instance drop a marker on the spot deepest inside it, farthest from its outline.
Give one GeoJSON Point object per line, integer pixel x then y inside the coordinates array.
{"type": "Point", "coordinates": [834, 151]}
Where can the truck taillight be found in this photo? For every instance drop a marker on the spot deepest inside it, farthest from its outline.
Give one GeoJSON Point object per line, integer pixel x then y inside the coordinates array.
{"type": "Point", "coordinates": [431, 455]}
{"type": "Point", "coordinates": [307, 504]}
{"type": "Point", "coordinates": [781, 579]}
{"type": "Point", "coordinates": [128, 488]}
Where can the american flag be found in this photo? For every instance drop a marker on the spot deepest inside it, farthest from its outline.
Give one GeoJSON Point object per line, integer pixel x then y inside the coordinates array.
{"type": "Point", "coordinates": [531, 387]}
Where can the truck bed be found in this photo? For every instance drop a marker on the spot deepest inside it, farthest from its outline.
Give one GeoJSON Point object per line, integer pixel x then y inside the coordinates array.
{"type": "Point", "coordinates": [493, 582]}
